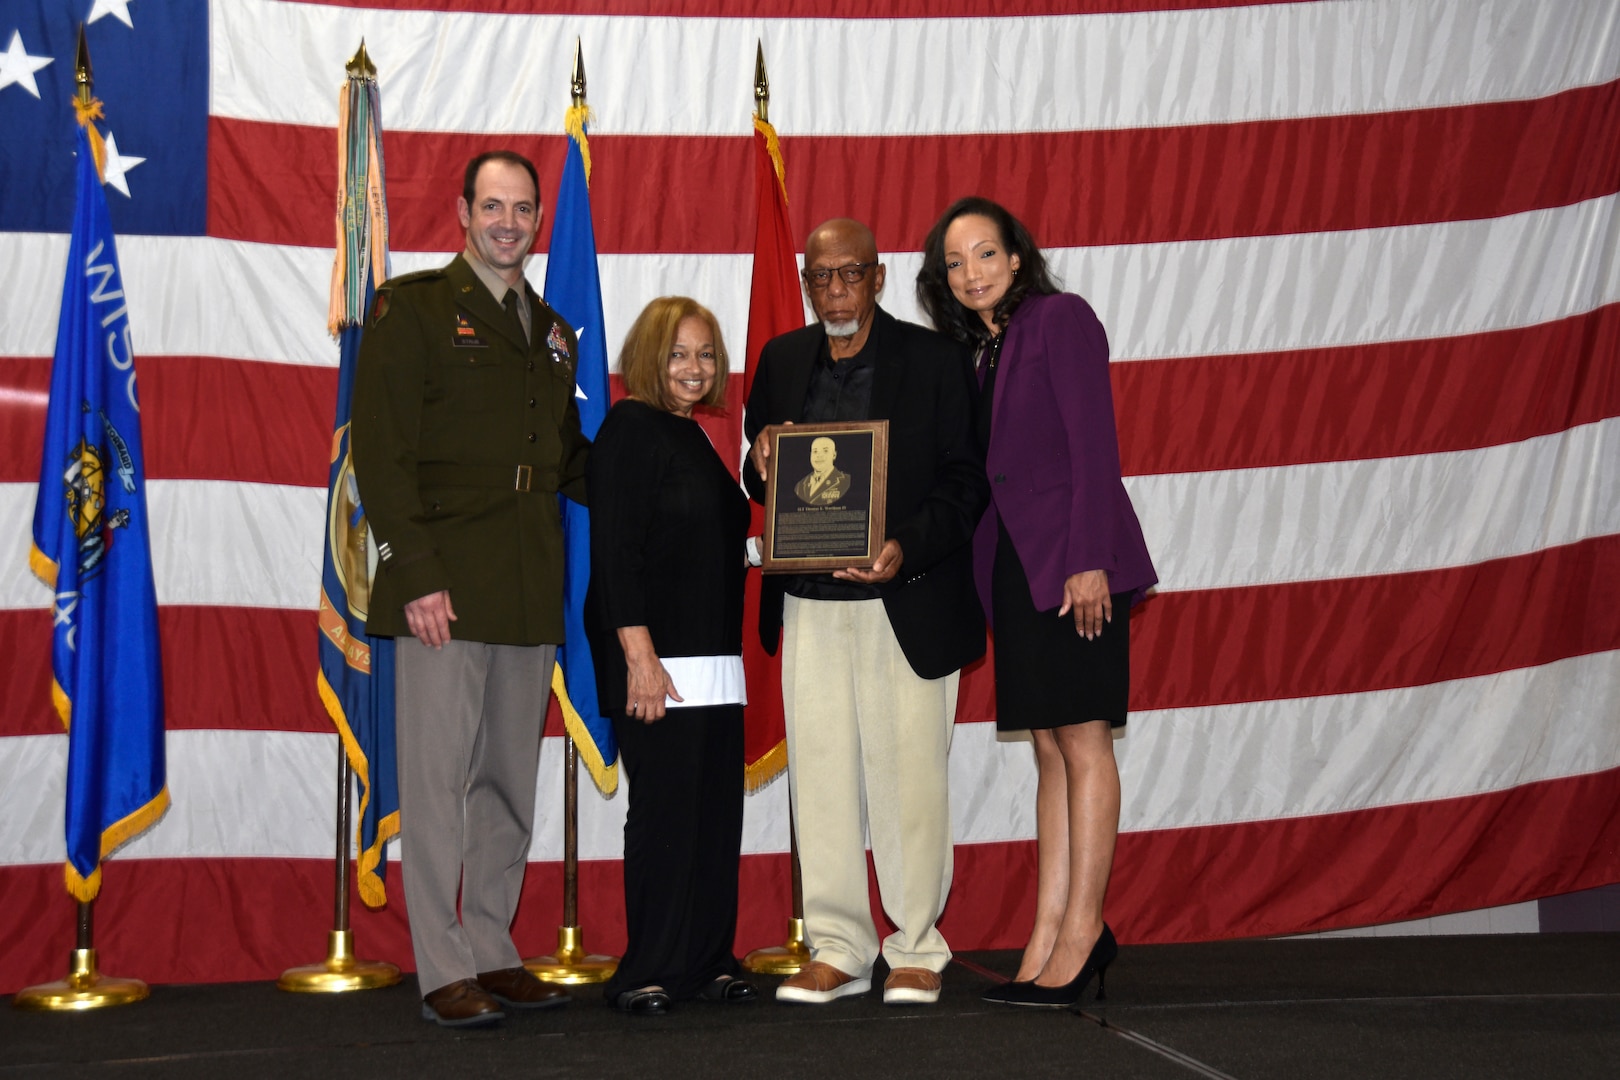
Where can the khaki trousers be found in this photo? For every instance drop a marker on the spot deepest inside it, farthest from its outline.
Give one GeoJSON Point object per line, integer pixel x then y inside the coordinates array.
{"type": "Point", "coordinates": [468, 721]}
{"type": "Point", "coordinates": [868, 743]}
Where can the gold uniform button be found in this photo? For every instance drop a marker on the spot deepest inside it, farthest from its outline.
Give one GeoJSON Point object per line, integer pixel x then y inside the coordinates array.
{"type": "Point", "coordinates": [531, 436]}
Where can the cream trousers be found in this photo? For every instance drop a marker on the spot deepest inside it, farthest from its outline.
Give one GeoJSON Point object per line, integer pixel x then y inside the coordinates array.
{"type": "Point", "coordinates": [868, 743]}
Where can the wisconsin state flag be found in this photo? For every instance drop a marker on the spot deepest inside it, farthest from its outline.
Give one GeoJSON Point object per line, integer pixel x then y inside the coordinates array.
{"type": "Point", "coordinates": [91, 545]}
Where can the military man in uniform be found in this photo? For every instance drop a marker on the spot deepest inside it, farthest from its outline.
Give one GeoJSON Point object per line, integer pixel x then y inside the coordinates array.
{"type": "Point", "coordinates": [464, 431]}
{"type": "Point", "coordinates": [825, 485]}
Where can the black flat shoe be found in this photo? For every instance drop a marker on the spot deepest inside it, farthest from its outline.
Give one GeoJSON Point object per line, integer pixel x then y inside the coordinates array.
{"type": "Point", "coordinates": [648, 1001]}
{"type": "Point", "coordinates": [998, 994]}
{"type": "Point", "coordinates": [1070, 993]}
{"type": "Point", "coordinates": [729, 990]}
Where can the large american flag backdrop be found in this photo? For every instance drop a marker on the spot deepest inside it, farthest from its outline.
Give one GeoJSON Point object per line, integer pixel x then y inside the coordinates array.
{"type": "Point", "coordinates": [1358, 264]}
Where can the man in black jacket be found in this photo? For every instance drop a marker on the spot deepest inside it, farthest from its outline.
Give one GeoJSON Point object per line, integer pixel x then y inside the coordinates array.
{"type": "Point", "coordinates": [871, 658]}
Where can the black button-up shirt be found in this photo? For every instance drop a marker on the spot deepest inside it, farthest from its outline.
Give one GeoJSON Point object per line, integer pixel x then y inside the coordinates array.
{"type": "Point", "coordinates": [839, 390]}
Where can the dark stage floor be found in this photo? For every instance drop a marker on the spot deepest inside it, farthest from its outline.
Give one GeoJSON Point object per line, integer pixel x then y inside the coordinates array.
{"type": "Point", "coordinates": [1524, 1006]}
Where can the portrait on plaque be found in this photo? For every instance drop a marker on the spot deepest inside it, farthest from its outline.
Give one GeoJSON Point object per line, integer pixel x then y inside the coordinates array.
{"type": "Point", "coordinates": [824, 496]}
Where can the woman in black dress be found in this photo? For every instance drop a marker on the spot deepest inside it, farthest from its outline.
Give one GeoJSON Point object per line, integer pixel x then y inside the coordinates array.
{"type": "Point", "coordinates": [664, 619]}
{"type": "Point", "coordinates": [1059, 559]}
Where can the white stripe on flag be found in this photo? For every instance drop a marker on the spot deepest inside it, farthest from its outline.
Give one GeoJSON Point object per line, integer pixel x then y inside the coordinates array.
{"type": "Point", "coordinates": [1188, 298]}
{"type": "Point", "coordinates": [259, 545]}
{"type": "Point", "coordinates": [267, 793]}
{"type": "Point", "coordinates": [274, 62]}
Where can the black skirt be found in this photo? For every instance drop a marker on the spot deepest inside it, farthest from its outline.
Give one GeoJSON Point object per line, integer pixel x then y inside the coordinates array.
{"type": "Point", "coordinates": [1047, 675]}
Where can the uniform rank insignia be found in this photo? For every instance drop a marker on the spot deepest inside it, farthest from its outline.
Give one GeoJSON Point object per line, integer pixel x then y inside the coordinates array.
{"type": "Point", "coordinates": [467, 337]}
{"type": "Point", "coordinates": [557, 342]}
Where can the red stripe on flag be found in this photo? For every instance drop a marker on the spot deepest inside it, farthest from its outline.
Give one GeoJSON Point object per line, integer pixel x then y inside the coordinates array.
{"type": "Point", "coordinates": [1366, 401]}
{"type": "Point", "coordinates": [1302, 639]}
{"type": "Point", "coordinates": [1354, 635]}
{"type": "Point", "coordinates": [25, 388]}
{"type": "Point", "coordinates": [202, 418]}
{"type": "Point", "coordinates": [238, 668]}
{"type": "Point", "coordinates": [1073, 188]}
{"type": "Point", "coordinates": [1272, 877]}
{"type": "Point", "coordinates": [218, 419]}
{"type": "Point", "coordinates": [246, 669]}
{"type": "Point", "coordinates": [251, 919]}
{"type": "Point", "coordinates": [209, 418]}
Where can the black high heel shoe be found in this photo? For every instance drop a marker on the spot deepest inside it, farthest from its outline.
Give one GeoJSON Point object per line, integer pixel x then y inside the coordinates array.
{"type": "Point", "coordinates": [998, 993]}
{"type": "Point", "coordinates": [1062, 997]}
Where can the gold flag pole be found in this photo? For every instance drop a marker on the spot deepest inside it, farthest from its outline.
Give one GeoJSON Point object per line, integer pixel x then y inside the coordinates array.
{"type": "Point", "coordinates": [571, 965]}
{"type": "Point", "coordinates": [789, 957]}
{"type": "Point", "coordinates": [342, 971]}
{"type": "Point", "coordinates": [85, 987]}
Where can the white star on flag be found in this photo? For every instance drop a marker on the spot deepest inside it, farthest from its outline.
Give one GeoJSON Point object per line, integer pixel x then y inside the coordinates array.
{"type": "Point", "coordinates": [579, 391]}
{"type": "Point", "coordinates": [16, 66]}
{"type": "Point", "coordinates": [117, 166]}
{"type": "Point", "coordinates": [118, 9]}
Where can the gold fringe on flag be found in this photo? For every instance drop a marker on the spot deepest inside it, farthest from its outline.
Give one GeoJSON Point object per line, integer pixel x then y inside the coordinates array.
{"type": "Point", "coordinates": [574, 123]}
{"type": "Point", "coordinates": [372, 891]}
{"type": "Point", "coordinates": [766, 769]}
{"type": "Point", "coordinates": [605, 775]}
{"type": "Point", "coordinates": [113, 837]}
{"type": "Point", "coordinates": [774, 148]}
{"type": "Point", "coordinates": [88, 112]}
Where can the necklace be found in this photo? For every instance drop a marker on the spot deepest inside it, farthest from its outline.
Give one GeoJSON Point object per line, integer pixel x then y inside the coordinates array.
{"type": "Point", "coordinates": [992, 351]}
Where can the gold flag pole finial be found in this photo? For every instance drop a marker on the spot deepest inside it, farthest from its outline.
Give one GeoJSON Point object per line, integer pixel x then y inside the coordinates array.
{"type": "Point", "coordinates": [762, 85]}
{"type": "Point", "coordinates": [576, 81]}
{"type": "Point", "coordinates": [360, 65]}
{"type": "Point", "coordinates": [83, 78]}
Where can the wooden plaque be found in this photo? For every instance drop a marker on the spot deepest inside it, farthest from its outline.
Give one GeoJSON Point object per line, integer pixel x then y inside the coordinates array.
{"type": "Point", "coordinates": [825, 492]}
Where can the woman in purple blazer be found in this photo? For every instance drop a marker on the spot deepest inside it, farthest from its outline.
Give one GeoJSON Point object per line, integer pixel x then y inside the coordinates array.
{"type": "Point", "coordinates": [1059, 560]}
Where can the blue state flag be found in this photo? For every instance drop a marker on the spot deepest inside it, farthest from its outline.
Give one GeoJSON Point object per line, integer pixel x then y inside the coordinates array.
{"type": "Point", "coordinates": [91, 544]}
{"type": "Point", "coordinates": [356, 678]}
{"type": "Point", "coordinates": [574, 291]}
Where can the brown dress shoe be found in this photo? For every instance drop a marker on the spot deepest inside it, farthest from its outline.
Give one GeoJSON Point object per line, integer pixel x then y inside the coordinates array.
{"type": "Point", "coordinates": [911, 986]}
{"type": "Point", "coordinates": [519, 988]}
{"type": "Point", "coordinates": [461, 1004]}
{"type": "Point", "coordinates": [818, 983]}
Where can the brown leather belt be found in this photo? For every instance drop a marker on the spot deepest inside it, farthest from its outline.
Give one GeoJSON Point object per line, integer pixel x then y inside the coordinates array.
{"type": "Point", "coordinates": [508, 477]}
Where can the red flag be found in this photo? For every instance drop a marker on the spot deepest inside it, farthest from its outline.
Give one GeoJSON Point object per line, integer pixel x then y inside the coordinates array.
{"type": "Point", "coordinates": [774, 307]}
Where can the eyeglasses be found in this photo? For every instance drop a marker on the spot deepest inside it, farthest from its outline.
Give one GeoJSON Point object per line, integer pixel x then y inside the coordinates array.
{"type": "Point", "coordinates": [852, 273]}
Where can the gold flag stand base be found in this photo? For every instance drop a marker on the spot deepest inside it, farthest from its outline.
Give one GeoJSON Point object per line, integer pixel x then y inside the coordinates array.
{"type": "Point", "coordinates": [341, 972]}
{"type": "Point", "coordinates": [84, 988]}
{"type": "Point", "coordinates": [569, 965]}
{"type": "Point", "coordinates": [785, 959]}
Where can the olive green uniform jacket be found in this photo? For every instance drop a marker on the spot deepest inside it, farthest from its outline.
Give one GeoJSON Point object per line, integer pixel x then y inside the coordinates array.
{"type": "Point", "coordinates": [463, 434]}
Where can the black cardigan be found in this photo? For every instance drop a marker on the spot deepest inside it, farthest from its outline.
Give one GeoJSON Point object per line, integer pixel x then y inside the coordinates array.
{"type": "Point", "coordinates": [668, 525]}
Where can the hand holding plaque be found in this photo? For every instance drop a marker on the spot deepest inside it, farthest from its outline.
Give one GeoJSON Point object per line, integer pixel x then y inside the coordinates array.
{"type": "Point", "coordinates": [824, 496]}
